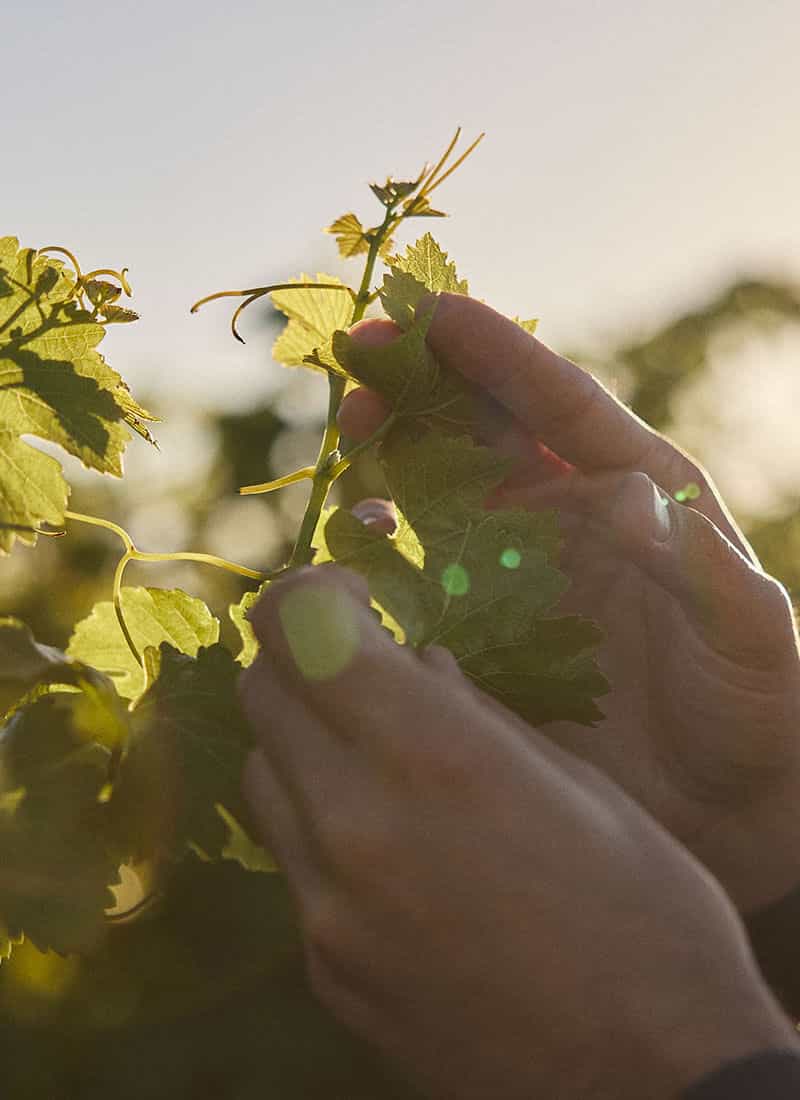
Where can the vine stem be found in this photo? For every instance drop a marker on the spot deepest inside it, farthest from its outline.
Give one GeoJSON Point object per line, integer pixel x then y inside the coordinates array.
{"type": "Point", "coordinates": [328, 466]}
{"type": "Point", "coordinates": [133, 554]}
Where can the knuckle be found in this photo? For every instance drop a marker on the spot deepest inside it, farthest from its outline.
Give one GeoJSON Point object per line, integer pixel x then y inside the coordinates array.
{"type": "Point", "coordinates": [456, 766]}
{"type": "Point", "coordinates": [355, 849]}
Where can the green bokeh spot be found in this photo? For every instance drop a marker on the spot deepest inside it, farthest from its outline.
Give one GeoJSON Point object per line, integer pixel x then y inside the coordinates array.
{"type": "Point", "coordinates": [688, 492]}
{"type": "Point", "coordinates": [455, 580]}
{"type": "Point", "coordinates": [510, 558]}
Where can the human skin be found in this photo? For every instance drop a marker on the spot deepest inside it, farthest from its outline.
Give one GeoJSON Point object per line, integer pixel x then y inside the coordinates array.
{"type": "Point", "coordinates": [703, 718]}
{"type": "Point", "coordinates": [486, 909]}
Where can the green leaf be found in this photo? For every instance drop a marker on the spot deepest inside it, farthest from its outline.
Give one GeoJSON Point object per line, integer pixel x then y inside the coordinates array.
{"type": "Point", "coordinates": [32, 491]}
{"type": "Point", "coordinates": [25, 666]}
{"type": "Point", "coordinates": [153, 616]}
{"type": "Point", "coordinates": [529, 326]}
{"type": "Point", "coordinates": [430, 266]}
{"type": "Point", "coordinates": [118, 315]}
{"type": "Point", "coordinates": [487, 580]}
{"type": "Point", "coordinates": [53, 385]}
{"type": "Point", "coordinates": [400, 296]}
{"type": "Point", "coordinates": [407, 374]}
{"type": "Point", "coordinates": [240, 848]}
{"type": "Point", "coordinates": [350, 235]}
{"type": "Point", "coordinates": [101, 293]}
{"type": "Point", "coordinates": [238, 612]}
{"type": "Point", "coordinates": [185, 757]}
{"type": "Point", "coordinates": [404, 371]}
{"type": "Point", "coordinates": [420, 207]}
{"type": "Point", "coordinates": [55, 870]}
{"type": "Point", "coordinates": [314, 315]}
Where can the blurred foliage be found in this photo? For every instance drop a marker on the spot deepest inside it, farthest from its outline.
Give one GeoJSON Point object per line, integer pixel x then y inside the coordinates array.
{"type": "Point", "coordinates": [191, 1000]}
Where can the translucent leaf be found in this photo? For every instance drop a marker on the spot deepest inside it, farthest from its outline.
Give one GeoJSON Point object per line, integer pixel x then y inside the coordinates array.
{"type": "Point", "coordinates": [314, 315]}
{"type": "Point", "coordinates": [420, 207]}
{"type": "Point", "coordinates": [100, 293]}
{"type": "Point", "coordinates": [238, 611]}
{"type": "Point", "coordinates": [118, 315]}
{"type": "Point", "coordinates": [240, 848]}
{"type": "Point", "coordinates": [430, 266]}
{"type": "Point", "coordinates": [153, 616]}
{"type": "Point", "coordinates": [53, 385]}
{"type": "Point", "coordinates": [529, 326]}
{"type": "Point", "coordinates": [400, 296]}
{"type": "Point", "coordinates": [349, 233]}
{"type": "Point", "coordinates": [25, 665]}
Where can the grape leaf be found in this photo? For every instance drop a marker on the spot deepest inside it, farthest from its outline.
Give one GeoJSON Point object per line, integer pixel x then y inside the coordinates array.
{"type": "Point", "coordinates": [529, 326]}
{"type": "Point", "coordinates": [314, 315]}
{"type": "Point", "coordinates": [400, 296]}
{"type": "Point", "coordinates": [55, 870]}
{"type": "Point", "coordinates": [53, 385]}
{"type": "Point", "coordinates": [240, 848]}
{"type": "Point", "coordinates": [349, 233]}
{"type": "Point", "coordinates": [153, 616]}
{"type": "Point", "coordinates": [238, 611]}
{"type": "Point", "coordinates": [420, 207]}
{"type": "Point", "coordinates": [407, 374]}
{"type": "Point", "coordinates": [185, 755]}
{"type": "Point", "coordinates": [27, 668]}
{"type": "Point", "coordinates": [429, 265]}
{"type": "Point", "coordinates": [487, 580]}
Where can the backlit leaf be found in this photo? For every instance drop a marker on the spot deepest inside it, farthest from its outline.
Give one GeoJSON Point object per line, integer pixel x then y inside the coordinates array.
{"type": "Point", "coordinates": [349, 233]}
{"type": "Point", "coordinates": [153, 616]}
{"type": "Point", "coordinates": [430, 265]}
{"type": "Point", "coordinates": [53, 385]}
{"type": "Point", "coordinates": [314, 315]}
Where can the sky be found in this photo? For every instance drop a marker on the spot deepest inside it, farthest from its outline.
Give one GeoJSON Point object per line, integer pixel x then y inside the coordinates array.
{"type": "Point", "coordinates": [639, 155]}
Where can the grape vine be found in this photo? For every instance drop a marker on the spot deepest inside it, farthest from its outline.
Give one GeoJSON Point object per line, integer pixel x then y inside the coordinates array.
{"type": "Point", "coordinates": [126, 750]}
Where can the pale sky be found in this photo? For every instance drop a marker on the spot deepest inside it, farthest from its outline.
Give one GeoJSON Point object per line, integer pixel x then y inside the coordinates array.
{"type": "Point", "coordinates": [639, 153]}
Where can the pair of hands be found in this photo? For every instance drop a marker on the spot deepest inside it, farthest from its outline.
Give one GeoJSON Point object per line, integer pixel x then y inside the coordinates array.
{"type": "Point", "coordinates": [478, 898]}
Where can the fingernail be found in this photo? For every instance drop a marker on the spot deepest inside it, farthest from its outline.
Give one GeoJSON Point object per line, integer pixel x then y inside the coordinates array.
{"type": "Point", "coordinates": [662, 515]}
{"type": "Point", "coordinates": [377, 513]}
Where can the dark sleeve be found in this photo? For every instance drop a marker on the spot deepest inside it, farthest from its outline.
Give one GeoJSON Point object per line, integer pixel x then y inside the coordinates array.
{"type": "Point", "coordinates": [775, 939]}
{"type": "Point", "coordinates": [772, 1075]}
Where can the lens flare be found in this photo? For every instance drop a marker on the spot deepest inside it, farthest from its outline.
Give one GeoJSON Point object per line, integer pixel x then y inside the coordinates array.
{"type": "Point", "coordinates": [455, 580]}
{"type": "Point", "coordinates": [510, 558]}
{"type": "Point", "coordinates": [321, 629]}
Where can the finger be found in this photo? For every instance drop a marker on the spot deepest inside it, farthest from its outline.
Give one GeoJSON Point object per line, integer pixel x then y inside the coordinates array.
{"type": "Point", "coordinates": [559, 402]}
{"type": "Point", "coordinates": [376, 513]}
{"type": "Point", "coordinates": [375, 694]}
{"type": "Point", "coordinates": [328, 648]}
{"type": "Point", "coordinates": [306, 759]}
{"type": "Point", "coordinates": [740, 611]}
{"type": "Point", "coordinates": [276, 821]}
{"type": "Point", "coordinates": [363, 411]}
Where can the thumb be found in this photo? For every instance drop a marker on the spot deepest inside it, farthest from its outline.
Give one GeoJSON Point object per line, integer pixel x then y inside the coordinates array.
{"type": "Point", "coordinates": [739, 611]}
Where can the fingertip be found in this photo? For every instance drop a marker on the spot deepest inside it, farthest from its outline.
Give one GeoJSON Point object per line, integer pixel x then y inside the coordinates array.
{"type": "Point", "coordinates": [377, 514]}
{"type": "Point", "coordinates": [361, 413]}
{"type": "Point", "coordinates": [641, 511]}
{"type": "Point", "coordinates": [375, 332]}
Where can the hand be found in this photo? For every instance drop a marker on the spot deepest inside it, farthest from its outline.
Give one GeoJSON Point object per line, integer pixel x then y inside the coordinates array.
{"type": "Point", "coordinates": [703, 720]}
{"type": "Point", "coordinates": [492, 913]}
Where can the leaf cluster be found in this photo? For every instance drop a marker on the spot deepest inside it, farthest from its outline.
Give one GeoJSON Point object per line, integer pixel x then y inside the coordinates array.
{"type": "Point", "coordinates": [55, 385]}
